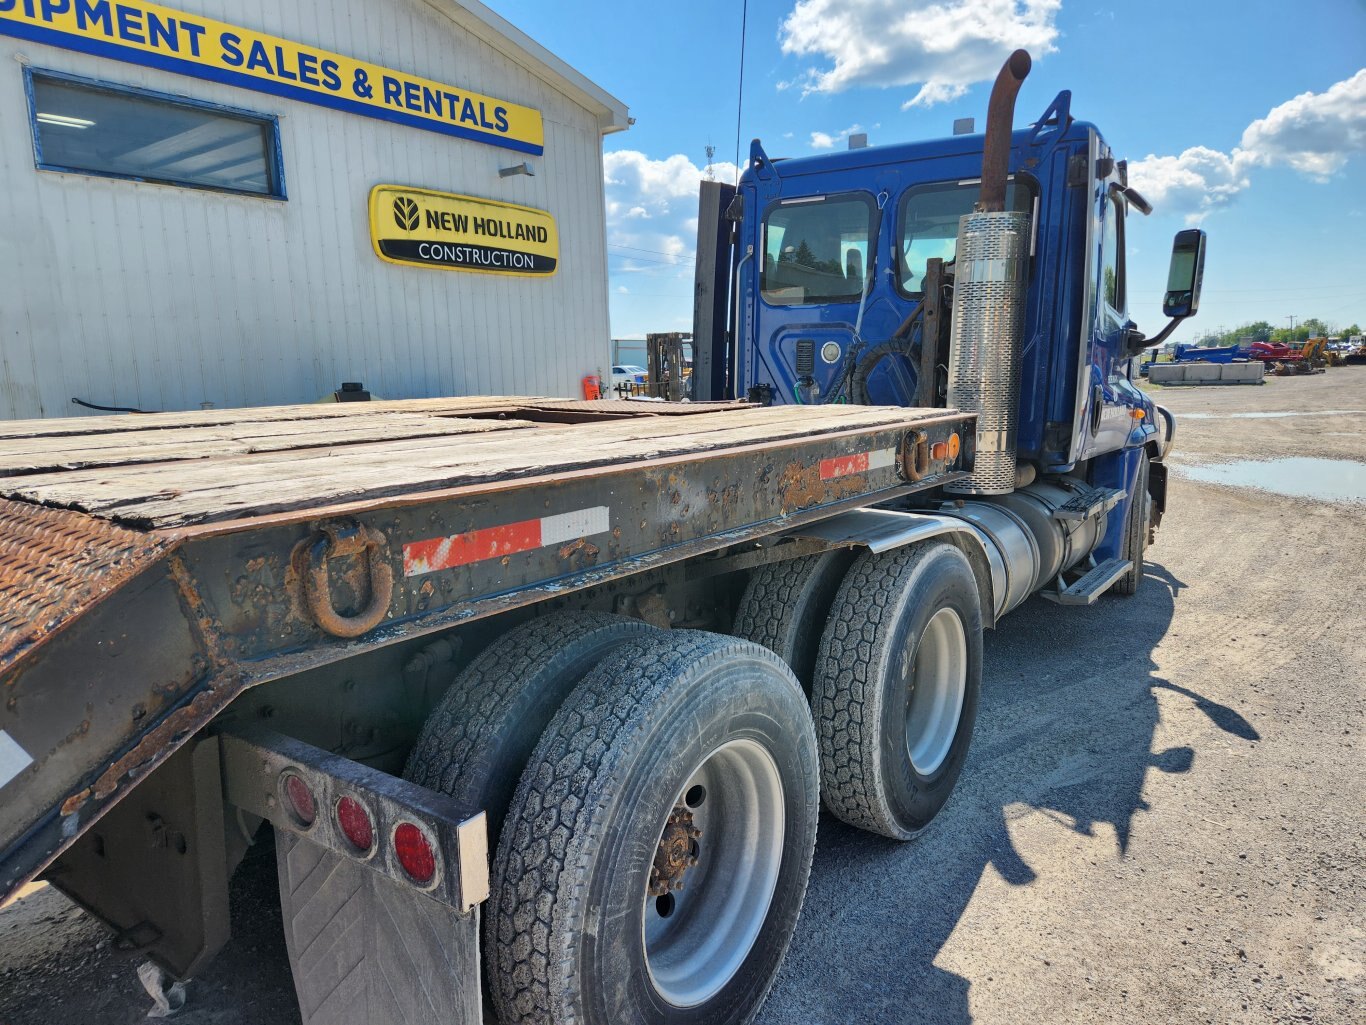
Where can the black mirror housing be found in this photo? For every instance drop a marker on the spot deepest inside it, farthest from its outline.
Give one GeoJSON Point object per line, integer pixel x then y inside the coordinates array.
{"type": "Point", "coordinates": [1185, 274]}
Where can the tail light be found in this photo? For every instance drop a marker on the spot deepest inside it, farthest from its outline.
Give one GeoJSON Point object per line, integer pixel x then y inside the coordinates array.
{"type": "Point", "coordinates": [356, 824]}
{"type": "Point", "coordinates": [300, 800]}
{"type": "Point", "coordinates": [415, 853]}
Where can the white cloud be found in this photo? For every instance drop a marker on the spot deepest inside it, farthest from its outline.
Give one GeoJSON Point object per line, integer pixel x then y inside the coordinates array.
{"type": "Point", "coordinates": [1314, 133]}
{"type": "Point", "coordinates": [935, 92]}
{"type": "Point", "coordinates": [944, 46]}
{"type": "Point", "coordinates": [824, 140]}
{"type": "Point", "coordinates": [652, 209]}
{"type": "Point", "coordinates": [1194, 183]}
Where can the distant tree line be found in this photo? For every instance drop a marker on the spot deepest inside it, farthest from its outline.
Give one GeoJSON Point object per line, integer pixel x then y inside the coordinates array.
{"type": "Point", "coordinates": [1263, 331]}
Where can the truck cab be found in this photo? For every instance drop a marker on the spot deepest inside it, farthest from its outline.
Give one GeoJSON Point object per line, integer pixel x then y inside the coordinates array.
{"type": "Point", "coordinates": [843, 267]}
{"type": "Point", "coordinates": [818, 225]}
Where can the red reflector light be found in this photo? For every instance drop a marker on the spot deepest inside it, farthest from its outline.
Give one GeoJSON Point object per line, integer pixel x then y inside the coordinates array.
{"type": "Point", "coordinates": [415, 853]}
{"type": "Point", "coordinates": [300, 800]}
{"type": "Point", "coordinates": [356, 824]}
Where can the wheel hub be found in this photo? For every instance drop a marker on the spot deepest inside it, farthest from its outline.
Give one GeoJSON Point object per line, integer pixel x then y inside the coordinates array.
{"type": "Point", "coordinates": [677, 852]}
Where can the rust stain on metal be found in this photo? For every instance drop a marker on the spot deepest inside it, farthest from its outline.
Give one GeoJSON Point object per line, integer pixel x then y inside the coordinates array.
{"type": "Point", "coordinates": [205, 628]}
{"type": "Point", "coordinates": [163, 738]}
{"type": "Point", "coordinates": [55, 564]}
{"type": "Point", "coordinates": [73, 803]}
{"type": "Point", "coordinates": [801, 487]}
{"type": "Point", "coordinates": [581, 545]}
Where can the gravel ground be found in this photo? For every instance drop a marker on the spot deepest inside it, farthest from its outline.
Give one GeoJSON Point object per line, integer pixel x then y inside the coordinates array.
{"type": "Point", "coordinates": [1161, 820]}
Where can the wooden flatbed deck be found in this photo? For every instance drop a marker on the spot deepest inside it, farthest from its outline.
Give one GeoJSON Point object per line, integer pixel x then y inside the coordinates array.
{"type": "Point", "coordinates": [169, 470]}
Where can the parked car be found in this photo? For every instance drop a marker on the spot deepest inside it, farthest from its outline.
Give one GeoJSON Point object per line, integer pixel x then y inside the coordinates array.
{"type": "Point", "coordinates": [625, 377]}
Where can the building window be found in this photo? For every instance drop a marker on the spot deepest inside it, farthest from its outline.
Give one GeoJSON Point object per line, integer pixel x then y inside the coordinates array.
{"type": "Point", "coordinates": [816, 250]}
{"type": "Point", "coordinates": [91, 128]}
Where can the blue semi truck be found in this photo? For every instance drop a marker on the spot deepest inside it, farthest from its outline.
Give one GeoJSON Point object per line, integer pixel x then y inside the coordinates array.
{"type": "Point", "coordinates": [541, 699]}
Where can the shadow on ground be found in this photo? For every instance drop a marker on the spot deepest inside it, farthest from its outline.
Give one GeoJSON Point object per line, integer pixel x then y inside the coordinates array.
{"type": "Point", "coordinates": [1068, 718]}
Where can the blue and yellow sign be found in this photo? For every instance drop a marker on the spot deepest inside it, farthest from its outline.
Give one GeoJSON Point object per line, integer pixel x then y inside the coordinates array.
{"type": "Point", "coordinates": [444, 231]}
{"type": "Point", "coordinates": [161, 37]}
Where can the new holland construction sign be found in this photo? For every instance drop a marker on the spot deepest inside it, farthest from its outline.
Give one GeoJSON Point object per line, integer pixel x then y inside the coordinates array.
{"type": "Point", "coordinates": [422, 228]}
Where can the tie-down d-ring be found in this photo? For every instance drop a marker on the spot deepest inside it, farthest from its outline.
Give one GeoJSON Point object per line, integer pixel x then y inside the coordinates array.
{"type": "Point", "coordinates": [332, 541]}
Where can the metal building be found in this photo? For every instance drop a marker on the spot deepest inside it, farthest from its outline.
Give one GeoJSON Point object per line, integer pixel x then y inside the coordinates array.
{"type": "Point", "coordinates": [252, 202]}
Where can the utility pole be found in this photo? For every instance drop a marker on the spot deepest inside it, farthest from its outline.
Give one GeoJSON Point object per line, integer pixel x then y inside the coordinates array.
{"type": "Point", "coordinates": [1291, 318]}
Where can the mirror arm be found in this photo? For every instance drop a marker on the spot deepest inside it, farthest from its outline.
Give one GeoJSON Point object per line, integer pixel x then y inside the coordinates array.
{"type": "Point", "coordinates": [1132, 197]}
{"type": "Point", "coordinates": [1135, 341]}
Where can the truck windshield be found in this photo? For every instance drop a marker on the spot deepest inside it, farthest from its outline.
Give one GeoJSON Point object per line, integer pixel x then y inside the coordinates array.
{"type": "Point", "coordinates": [816, 249]}
{"type": "Point", "coordinates": [927, 225]}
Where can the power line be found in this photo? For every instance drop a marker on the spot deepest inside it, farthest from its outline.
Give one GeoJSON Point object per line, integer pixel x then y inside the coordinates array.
{"type": "Point", "coordinates": [1288, 289]}
{"type": "Point", "coordinates": [638, 249]}
{"type": "Point", "coordinates": [740, 94]}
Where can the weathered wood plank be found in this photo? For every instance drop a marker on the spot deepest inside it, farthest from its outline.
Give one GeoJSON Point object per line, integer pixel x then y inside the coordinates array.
{"type": "Point", "coordinates": [81, 425]}
{"type": "Point", "coordinates": [460, 405]}
{"type": "Point", "coordinates": [121, 448]}
{"type": "Point", "coordinates": [172, 494]}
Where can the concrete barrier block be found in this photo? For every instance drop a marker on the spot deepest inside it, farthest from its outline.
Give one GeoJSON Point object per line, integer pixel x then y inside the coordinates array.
{"type": "Point", "coordinates": [1166, 373]}
{"type": "Point", "coordinates": [1246, 373]}
{"type": "Point", "coordinates": [1203, 372]}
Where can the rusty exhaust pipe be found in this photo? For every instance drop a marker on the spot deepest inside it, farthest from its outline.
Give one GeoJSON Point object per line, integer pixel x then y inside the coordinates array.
{"type": "Point", "coordinates": [1000, 123]}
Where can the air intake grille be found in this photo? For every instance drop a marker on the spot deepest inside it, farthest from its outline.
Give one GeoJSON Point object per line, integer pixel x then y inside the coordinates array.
{"type": "Point", "coordinates": [984, 346]}
{"type": "Point", "coordinates": [806, 357]}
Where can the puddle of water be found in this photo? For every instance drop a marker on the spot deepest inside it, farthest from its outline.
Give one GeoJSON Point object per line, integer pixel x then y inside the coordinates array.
{"type": "Point", "coordinates": [1266, 416]}
{"type": "Point", "coordinates": [1329, 480]}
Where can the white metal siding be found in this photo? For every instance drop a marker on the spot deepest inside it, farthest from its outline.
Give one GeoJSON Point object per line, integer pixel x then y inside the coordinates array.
{"type": "Point", "coordinates": [158, 297]}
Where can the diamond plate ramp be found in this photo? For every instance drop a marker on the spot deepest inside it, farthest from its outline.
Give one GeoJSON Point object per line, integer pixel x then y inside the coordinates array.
{"type": "Point", "coordinates": [369, 951]}
{"type": "Point", "coordinates": [55, 564]}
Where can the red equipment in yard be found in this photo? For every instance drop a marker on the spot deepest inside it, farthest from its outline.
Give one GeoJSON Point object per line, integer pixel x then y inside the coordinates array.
{"type": "Point", "coordinates": [1279, 352]}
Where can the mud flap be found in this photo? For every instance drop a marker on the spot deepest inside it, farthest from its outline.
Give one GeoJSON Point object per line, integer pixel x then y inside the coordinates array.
{"type": "Point", "coordinates": [366, 950]}
{"type": "Point", "coordinates": [1157, 488]}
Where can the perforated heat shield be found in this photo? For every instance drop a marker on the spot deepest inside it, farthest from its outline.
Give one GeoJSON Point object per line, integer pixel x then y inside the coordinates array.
{"type": "Point", "coordinates": [984, 346]}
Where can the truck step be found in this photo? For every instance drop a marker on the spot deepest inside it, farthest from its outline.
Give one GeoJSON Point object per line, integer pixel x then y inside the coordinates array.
{"type": "Point", "coordinates": [1095, 582]}
{"type": "Point", "coordinates": [1087, 504]}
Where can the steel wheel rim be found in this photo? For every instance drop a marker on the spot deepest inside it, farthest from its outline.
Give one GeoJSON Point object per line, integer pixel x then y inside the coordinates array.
{"type": "Point", "coordinates": [712, 922]}
{"type": "Point", "coordinates": [939, 678]}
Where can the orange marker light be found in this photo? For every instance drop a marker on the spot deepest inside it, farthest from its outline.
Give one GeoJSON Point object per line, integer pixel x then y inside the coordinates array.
{"type": "Point", "coordinates": [1137, 414]}
{"type": "Point", "coordinates": [954, 446]}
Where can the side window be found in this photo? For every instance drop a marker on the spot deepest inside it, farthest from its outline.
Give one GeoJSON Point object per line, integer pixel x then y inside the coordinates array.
{"type": "Point", "coordinates": [816, 250]}
{"type": "Point", "coordinates": [120, 132]}
{"type": "Point", "coordinates": [1112, 269]}
{"type": "Point", "coordinates": [927, 225]}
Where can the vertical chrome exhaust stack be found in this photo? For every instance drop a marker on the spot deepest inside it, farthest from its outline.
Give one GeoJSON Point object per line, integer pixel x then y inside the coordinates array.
{"type": "Point", "coordinates": [991, 268]}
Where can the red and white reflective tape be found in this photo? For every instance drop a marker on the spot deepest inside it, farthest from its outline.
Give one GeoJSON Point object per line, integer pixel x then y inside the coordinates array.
{"type": "Point", "coordinates": [506, 539]}
{"type": "Point", "coordinates": [859, 462]}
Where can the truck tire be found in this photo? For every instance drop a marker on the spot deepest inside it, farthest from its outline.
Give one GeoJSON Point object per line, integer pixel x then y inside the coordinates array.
{"type": "Point", "coordinates": [686, 757]}
{"type": "Point", "coordinates": [896, 687]}
{"type": "Point", "coordinates": [784, 606]}
{"type": "Point", "coordinates": [476, 742]}
{"type": "Point", "coordinates": [1136, 531]}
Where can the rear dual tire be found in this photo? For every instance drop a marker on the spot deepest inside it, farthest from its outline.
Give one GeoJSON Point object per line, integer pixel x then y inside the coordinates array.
{"type": "Point", "coordinates": [668, 734]}
{"type": "Point", "coordinates": [896, 686]}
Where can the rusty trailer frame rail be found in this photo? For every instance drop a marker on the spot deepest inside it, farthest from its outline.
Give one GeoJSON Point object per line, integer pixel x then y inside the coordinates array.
{"type": "Point", "coordinates": [117, 644]}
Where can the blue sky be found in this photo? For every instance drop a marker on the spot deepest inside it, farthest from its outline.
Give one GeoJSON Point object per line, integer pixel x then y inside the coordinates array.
{"type": "Point", "coordinates": [1246, 118]}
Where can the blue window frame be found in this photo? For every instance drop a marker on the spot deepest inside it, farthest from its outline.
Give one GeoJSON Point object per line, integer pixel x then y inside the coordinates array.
{"type": "Point", "coordinates": [83, 126]}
